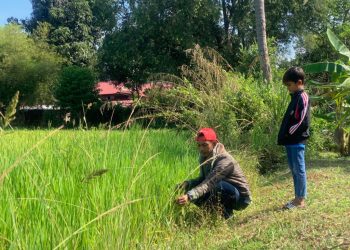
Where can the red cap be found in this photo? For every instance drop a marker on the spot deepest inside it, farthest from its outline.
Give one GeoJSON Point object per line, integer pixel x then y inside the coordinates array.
{"type": "Point", "coordinates": [206, 134]}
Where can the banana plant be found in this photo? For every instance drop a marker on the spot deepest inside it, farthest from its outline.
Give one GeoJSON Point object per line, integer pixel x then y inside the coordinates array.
{"type": "Point", "coordinates": [338, 90]}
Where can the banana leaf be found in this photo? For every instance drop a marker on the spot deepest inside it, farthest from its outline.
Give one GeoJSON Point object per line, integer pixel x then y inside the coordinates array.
{"type": "Point", "coordinates": [330, 67]}
{"type": "Point", "coordinates": [316, 98]}
{"type": "Point", "coordinates": [337, 44]}
{"type": "Point", "coordinates": [346, 83]}
{"type": "Point", "coordinates": [326, 116]}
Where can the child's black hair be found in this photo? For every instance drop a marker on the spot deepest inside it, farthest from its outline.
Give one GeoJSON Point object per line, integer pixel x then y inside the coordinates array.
{"type": "Point", "coordinates": [294, 74]}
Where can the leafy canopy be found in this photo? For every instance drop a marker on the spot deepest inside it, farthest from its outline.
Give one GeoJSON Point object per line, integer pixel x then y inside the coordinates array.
{"type": "Point", "coordinates": [27, 66]}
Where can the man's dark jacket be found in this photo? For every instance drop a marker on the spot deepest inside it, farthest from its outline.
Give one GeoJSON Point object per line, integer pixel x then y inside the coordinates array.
{"type": "Point", "coordinates": [221, 167]}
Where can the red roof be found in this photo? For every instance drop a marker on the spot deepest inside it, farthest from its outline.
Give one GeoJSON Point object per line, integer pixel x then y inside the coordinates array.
{"type": "Point", "coordinates": [117, 90]}
{"type": "Point", "coordinates": [112, 88]}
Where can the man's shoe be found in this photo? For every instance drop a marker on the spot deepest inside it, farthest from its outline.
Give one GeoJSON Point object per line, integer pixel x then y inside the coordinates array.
{"type": "Point", "coordinates": [227, 214]}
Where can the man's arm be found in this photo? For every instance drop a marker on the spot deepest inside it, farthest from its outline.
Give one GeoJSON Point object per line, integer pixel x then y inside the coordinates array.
{"type": "Point", "coordinates": [222, 168]}
{"type": "Point", "coordinates": [191, 183]}
{"type": "Point", "coordinates": [196, 181]}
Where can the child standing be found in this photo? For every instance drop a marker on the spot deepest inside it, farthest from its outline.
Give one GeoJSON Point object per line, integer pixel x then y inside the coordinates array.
{"type": "Point", "coordinates": [294, 132]}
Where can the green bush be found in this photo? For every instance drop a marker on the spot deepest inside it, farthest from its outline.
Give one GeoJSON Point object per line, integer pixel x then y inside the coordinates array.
{"type": "Point", "coordinates": [76, 88]}
{"type": "Point", "coordinates": [263, 135]}
{"type": "Point", "coordinates": [245, 112]}
{"type": "Point", "coordinates": [322, 136]}
{"type": "Point", "coordinates": [27, 66]}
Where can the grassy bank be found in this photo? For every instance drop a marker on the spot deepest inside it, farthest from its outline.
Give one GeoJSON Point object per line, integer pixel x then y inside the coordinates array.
{"type": "Point", "coordinates": [323, 224]}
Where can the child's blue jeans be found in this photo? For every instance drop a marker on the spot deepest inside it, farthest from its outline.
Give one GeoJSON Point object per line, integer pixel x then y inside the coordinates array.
{"type": "Point", "coordinates": [296, 162]}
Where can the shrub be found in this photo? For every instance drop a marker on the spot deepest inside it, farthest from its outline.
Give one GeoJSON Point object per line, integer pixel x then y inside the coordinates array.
{"type": "Point", "coordinates": [76, 88]}
{"type": "Point", "coordinates": [322, 136]}
{"type": "Point", "coordinates": [245, 112]}
{"type": "Point", "coordinates": [27, 66]}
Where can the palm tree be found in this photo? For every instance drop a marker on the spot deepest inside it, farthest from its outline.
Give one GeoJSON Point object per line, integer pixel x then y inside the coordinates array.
{"type": "Point", "coordinates": [261, 37]}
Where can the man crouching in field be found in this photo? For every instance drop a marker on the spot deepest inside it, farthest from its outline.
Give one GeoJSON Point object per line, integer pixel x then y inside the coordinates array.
{"type": "Point", "coordinates": [221, 184]}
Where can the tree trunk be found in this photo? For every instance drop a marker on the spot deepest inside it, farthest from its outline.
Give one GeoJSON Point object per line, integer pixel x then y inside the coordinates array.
{"type": "Point", "coordinates": [342, 138]}
{"type": "Point", "coordinates": [345, 16]}
{"type": "Point", "coordinates": [227, 20]}
{"type": "Point", "coordinates": [261, 38]}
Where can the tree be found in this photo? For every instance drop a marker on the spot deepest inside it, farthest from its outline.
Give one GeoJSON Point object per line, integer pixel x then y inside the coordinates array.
{"type": "Point", "coordinates": [286, 19]}
{"type": "Point", "coordinates": [76, 87]}
{"type": "Point", "coordinates": [261, 37]}
{"type": "Point", "coordinates": [314, 46]}
{"type": "Point", "coordinates": [26, 66]}
{"type": "Point", "coordinates": [152, 37]}
{"type": "Point", "coordinates": [75, 28]}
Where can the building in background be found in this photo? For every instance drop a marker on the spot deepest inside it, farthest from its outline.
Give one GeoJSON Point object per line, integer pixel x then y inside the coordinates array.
{"type": "Point", "coordinates": [118, 93]}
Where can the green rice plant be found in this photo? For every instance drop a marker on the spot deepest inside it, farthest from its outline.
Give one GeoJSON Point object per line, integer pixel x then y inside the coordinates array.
{"type": "Point", "coordinates": [60, 194]}
{"type": "Point", "coordinates": [9, 116]}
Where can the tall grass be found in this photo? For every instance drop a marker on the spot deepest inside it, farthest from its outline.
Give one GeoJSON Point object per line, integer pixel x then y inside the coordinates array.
{"type": "Point", "coordinates": [245, 112]}
{"type": "Point", "coordinates": [95, 189]}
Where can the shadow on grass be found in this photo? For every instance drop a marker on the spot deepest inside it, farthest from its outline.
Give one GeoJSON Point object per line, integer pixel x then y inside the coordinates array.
{"type": "Point", "coordinates": [281, 176]}
{"type": "Point", "coordinates": [258, 215]}
{"type": "Point", "coordinates": [343, 163]}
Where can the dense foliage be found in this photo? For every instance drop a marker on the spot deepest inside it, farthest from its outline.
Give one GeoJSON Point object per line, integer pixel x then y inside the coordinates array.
{"type": "Point", "coordinates": [27, 66]}
{"type": "Point", "coordinates": [137, 41]}
{"type": "Point", "coordinates": [151, 36]}
{"type": "Point", "coordinates": [245, 112]}
{"type": "Point", "coordinates": [76, 89]}
{"type": "Point", "coordinates": [74, 28]}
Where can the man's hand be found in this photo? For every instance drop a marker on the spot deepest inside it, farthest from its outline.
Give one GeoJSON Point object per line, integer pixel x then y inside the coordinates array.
{"type": "Point", "coordinates": [182, 200]}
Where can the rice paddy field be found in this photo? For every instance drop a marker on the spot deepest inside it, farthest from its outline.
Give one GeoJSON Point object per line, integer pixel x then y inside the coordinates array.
{"type": "Point", "coordinates": [101, 189]}
{"type": "Point", "coordinates": [74, 177]}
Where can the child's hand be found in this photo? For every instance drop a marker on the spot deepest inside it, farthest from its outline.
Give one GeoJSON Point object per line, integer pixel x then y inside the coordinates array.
{"type": "Point", "coordinates": [182, 200]}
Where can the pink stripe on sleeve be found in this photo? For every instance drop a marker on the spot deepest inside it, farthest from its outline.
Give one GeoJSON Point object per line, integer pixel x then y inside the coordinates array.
{"type": "Point", "coordinates": [303, 113]}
